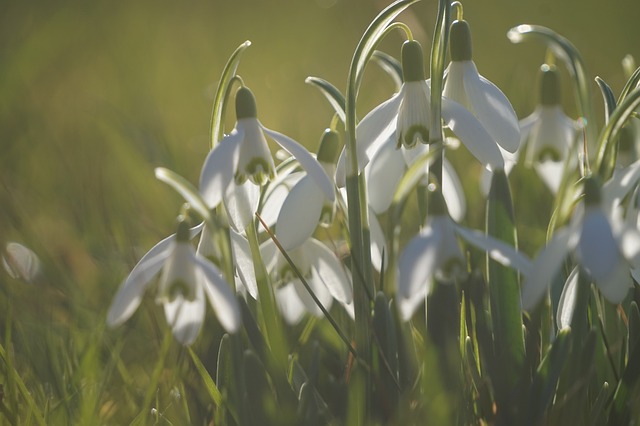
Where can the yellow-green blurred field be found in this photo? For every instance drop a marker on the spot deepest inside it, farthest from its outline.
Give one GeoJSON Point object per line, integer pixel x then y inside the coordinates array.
{"type": "Point", "coordinates": [94, 95]}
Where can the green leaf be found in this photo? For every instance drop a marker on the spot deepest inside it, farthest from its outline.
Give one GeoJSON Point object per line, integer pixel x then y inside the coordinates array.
{"type": "Point", "coordinates": [631, 84]}
{"type": "Point", "coordinates": [222, 94]}
{"type": "Point", "coordinates": [333, 95]}
{"type": "Point", "coordinates": [608, 97]}
{"type": "Point", "coordinates": [212, 389]}
{"type": "Point", "coordinates": [543, 388]}
{"type": "Point", "coordinates": [503, 282]}
{"type": "Point", "coordinates": [622, 398]}
{"type": "Point", "coordinates": [390, 65]}
{"type": "Point", "coordinates": [384, 332]}
{"type": "Point", "coordinates": [187, 191]}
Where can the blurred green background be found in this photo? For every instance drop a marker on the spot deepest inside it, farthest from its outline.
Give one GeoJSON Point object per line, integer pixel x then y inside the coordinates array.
{"type": "Point", "coordinates": [94, 95]}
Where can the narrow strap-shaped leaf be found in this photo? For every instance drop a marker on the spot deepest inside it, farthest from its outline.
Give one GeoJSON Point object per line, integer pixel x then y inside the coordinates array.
{"type": "Point", "coordinates": [385, 337]}
{"type": "Point", "coordinates": [631, 84]}
{"type": "Point", "coordinates": [212, 389]}
{"type": "Point", "coordinates": [545, 382]}
{"type": "Point", "coordinates": [187, 191]}
{"type": "Point", "coordinates": [622, 398]}
{"type": "Point", "coordinates": [504, 286]}
{"type": "Point", "coordinates": [607, 141]}
{"type": "Point", "coordinates": [333, 95]}
{"type": "Point", "coordinates": [390, 65]}
{"type": "Point", "coordinates": [608, 97]}
{"type": "Point", "coordinates": [222, 93]}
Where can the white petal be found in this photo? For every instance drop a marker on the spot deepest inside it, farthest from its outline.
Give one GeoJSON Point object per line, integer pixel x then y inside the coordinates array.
{"type": "Point", "coordinates": [383, 174]}
{"type": "Point", "coordinates": [241, 203]}
{"type": "Point", "coordinates": [378, 242]}
{"type": "Point", "coordinates": [408, 306]}
{"type": "Point", "coordinates": [330, 271]}
{"type": "Point", "coordinates": [306, 160]}
{"type": "Point", "coordinates": [492, 108]}
{"type": "Point", "coordinates": [546, 265]}
{"type": "Point", "coordinates": [551, 174]}
{"type": "Point", "coordinates": [499, 251]}
{"type": "Point", "coordinates": [319, 290]}
{"type": "Point", "coordinates": [376, 127]}
{"type": "Point", "coordinates": [220, 295]}
{"type": "Point", "coordinates": [130, 292]}
{"type": "Point", "coordinates": [597, 249]}
{"type": "Point", "coordinates": [219, 168]}
{"type": "Point", "coordinates": [290, 305]}
{"type": "Point", "coordinates": [452, 192]}
{"type": "Point", "coordinates": [622, 181]}
{"type": "Point", "coordinates": [278, 190]}
{"type": "Point", "coordinates": [616, 286]}
{"type": "Point", "coordinates": [454, 84]}
{"type": "Point", "coordinates": [472, 134]}
{"type": "Point", "coordinates": [20, 262]}
{"type": "Point", "coordinates": [567, 302]}
{"type": "Point", "coordinates": [185, 317]}
{"type": "Point", "coordinates": [418, 263]}
{"type": "Point", "coordinates": [299, 214]}
{"type": "Point", "coordinates": [244, 263]}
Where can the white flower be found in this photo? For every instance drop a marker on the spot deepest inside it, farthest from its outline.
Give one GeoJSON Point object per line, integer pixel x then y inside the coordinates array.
{"type": "Point", "coordinates": [466, 86]}
{"type": "Point", "coordinates": [20, 262]}
{"type": "Point", "coordinates": [548, 133]}
{"type": "Point", "coordinates": [322, 270]}
{"type": "Point", "coordinates": [435, 254]}
{"type": "Point", "coordinates": [241, 162]}
{"type": "Point", "coordinates": [185, 279]}
{"type": "Point", "coordinates": [406, 118]}
{"type": "Point", "coordinates": [604, 245]}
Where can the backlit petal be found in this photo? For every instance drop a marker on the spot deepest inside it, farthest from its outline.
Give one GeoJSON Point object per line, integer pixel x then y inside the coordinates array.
{"type": "Point", "coordinates": [383, 174]}
{"type": "Point", "coordinates": [241, 203]}
{"type": "Point", "coordinates": [567, 302]}
{"type": "Point", "coordinates": [418, 263]}
{"type": "Point", "coordinates": [300, 213]}
{"type": "Point", "coordinates": [290, 305]}
{"type": "Point", "coordinates": [185, 317]}
{"type": "Point", "coordinates": [330, 271]}
{"type": "Point", "coordinates": [306, 160]}
{"type": "Point", "coordinates": [244, 263]}
{"type": "Point", "coordinates": [492, 108]}
{"type": "Point", "coordinates": [220, 296]}
{"type": "Point", "coordinates": [219, 168]}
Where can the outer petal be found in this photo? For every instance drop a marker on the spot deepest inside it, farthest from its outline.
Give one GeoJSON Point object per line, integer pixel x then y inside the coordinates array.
{"type": "Point", "coordinates": [376, 127]}
{"type": "Point", "coordinates": [492, 108]}
{"type": "Point", "coordinates": [130, 293]}
{"type": "Point", "coordinates": [300, 213]}
{"type": "Point", "coordinates": [551, 174]}
{"type": "Point", "coordinates": [244, 263]}
{"type": "Point", "coordinates": [278, 191]}
{"type": "Point", "coordinates": [498, 250]}
{"type": "Point", "coordinates": [241, 203]}
{"type": "Point", "coordinates": [620, 184]}
{"type": "Point", "coordinates": [454, 85]}
{"type": "Point", "coordinates": [290, 305]}
{"type": "Point", "coordinates": [20, 262]}
{"type": "Point", "coordinates": [319, 290]}
{"type": "Point", "coordinates": [418, 263]}
{"type": "Point", "coordinates": [567, 302]}
{"type": "Point", "coordinates": [330, 271]}
{"type": "Point", "coordinates": [306, 160]}
{"type": "Point", "coordinates": [383, 174]}
{"type": "Point", "coordinates": [546, 265]}
{"type": "Point", "coordinates": [472, 134]}
{"type": "Point", "coordinates": [185, 317]}
{"type": "Point", "coordinates": [220, 296]}
{"type": "Point", "coordinates": [378, 242]}
{"type": "Point", "coordinates": [219, 168]}
{"type": "Point", "coordinates": [597, 249]}
{"type": "Point", "coordinates": [616, 286]}
{"type": "Point", "coordinates": [452, 192]}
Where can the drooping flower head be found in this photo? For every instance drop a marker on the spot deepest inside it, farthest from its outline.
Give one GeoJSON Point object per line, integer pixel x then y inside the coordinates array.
{"type": "Point", "coordinates": [482, 98]}
{"type": "Point", "coordinates": [185, 279]}
{"type": "Point", "coordinates": [236, 168]}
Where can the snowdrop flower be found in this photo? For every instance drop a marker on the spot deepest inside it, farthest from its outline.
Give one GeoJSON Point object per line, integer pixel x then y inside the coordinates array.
{"type": "Point", "coordinates": [241, 162]}
{"type": "Point", "coordinates": [603, 245]}
{"type": "Point", "coordinates": [435, 254]}
{"type": "Point", "coordinates": [548, 133]}
{"type": "Point", "coordinates": [406, 118]}
{"type": "Point", "coordinates": [466, 86]}
{"type": "Point", "coordinates": [185, 278]}
{"type": "Point", "coordinates": [306, 205]}
{"type": "Point", "coordinates": [20, 262]}
{"type": "Point", "coordinates": [322, 270]}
